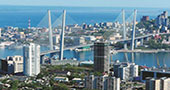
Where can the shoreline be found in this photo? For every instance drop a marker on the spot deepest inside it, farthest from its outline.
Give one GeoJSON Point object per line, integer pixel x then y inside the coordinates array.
{"type": "Point", "coordinates": [142, 51]}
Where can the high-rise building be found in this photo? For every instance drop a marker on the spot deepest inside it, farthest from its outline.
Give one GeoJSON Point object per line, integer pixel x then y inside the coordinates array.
{"type": "Point", "coordinates": [158, 84]}
{"type": "Point", "coordinates": [31, 54]}
{"type": "Point", "coordinates": [113, 83]}
{"type": "Point", "coordinates": [162, 21]}
{"type": "Point", "coordinates": [153, 84]}
{"type": "Point", "coordinates": [102, 83]}
{"type": "Point", "coordinates": [89, 82]}
{"type": "Point", "coordinates": [124, 73]}
{"type": "Point", "coordinates": [165, 83]}
{"type": "Point", "coordinates": [101, 57]}
{"type": "Point", "coordinates": [125, 70]}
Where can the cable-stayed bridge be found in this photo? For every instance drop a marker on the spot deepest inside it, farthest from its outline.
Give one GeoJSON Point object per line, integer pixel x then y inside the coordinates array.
{"type": "Point", "coordinates": [48, 22]}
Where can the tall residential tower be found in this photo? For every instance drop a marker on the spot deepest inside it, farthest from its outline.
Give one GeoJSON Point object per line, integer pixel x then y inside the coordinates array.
{"type": "Point", "coordinates": [31, 55]}
{"type": "Point", "coordinates": [101, 57]}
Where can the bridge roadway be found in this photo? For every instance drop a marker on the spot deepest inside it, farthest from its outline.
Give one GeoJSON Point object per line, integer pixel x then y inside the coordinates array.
{"type": "Point", "coordinates": [67, 48]}
{"type": "Point", "coordinates": [79, 46]}
{"type": "Point", "coordinates": [141, 37]}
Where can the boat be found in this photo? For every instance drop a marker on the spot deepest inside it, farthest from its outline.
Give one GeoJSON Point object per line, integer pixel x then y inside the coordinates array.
{"type": "Point", "coordinates": [89, 62]}
{"type": "Point", "coordinates": [79, 50]}
{"type": "Point", "coordinates": [5, 44]}
{"type": "Point", "coordinates": [2, 45]}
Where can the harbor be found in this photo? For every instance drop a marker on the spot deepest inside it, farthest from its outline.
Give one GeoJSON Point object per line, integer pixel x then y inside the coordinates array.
{"type": "Point", "coordinates": [148, 59]}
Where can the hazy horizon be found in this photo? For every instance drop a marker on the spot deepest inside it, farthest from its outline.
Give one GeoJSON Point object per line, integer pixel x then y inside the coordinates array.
{"type": "Point", "coordinates": [86, 6]}
{"type": "Point", "coordinates": [92, 3]}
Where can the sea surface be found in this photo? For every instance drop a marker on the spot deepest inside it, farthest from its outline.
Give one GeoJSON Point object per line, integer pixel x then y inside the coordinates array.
{"type": "Point", "coordinates": [18, 16]}
{"type": "Point", "coordinates": [148, 59]}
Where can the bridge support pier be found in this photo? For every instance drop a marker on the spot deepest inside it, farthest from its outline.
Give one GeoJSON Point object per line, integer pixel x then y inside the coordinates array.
{"type": "Point", "coordinates": [136, 41]}
{"type": "Point", "coordinates": [52, 54]}
{"type": "Point", "coordinates": [125, 45]}
{"type": "Point", "coordinates": [133, 57]}
{"type": "Point", "coordinates": [141, 42]}
{"type": "Point", "coordinates": [147, 39]}
{"type": "Point", "coordinates": [168, 38]}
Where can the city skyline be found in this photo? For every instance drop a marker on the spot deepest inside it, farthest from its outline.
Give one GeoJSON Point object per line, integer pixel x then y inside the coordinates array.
{"type": "Point", "coordinates": [89, 3]}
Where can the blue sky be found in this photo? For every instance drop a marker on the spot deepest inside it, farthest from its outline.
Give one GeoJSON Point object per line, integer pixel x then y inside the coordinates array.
{"type": "Point", "coordinates": [91, 3]}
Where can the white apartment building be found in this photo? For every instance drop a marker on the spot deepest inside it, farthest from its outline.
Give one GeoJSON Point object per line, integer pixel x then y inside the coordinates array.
{"type": "Point", "coordinates": [125, 71]}
{"type": "Point", "coordinates": [158, 84]}
{"type": "Point", "coordinates": [31, 55]}
{"type": "Point", "coordinates": [17, 62]}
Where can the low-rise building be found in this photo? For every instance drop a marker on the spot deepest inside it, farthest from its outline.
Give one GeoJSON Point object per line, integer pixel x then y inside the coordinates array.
{"type": "Point", "coordinates": [145, 18]}
{"type": "Point", "coordinates": [79, 40]}
{"type": "Point", "coordinates": [64, 62]}
{"type": "Point", "coordinates": [61, 79]}
{"type": "Point", "coordinates": [56, 39]}
{"type": "Point", "coordinates": [108, 24]}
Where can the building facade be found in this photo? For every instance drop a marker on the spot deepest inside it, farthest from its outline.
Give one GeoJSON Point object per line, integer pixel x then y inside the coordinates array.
{"type": "Point", "coordinates": [101, 57]}
{"type": "Point", "coordinates": [158, 84]}
{"type": "Point", "coordinates": [12, 64]}
{"type": "Point", "coordinates": [125, 70]}
{"type": "Point", "coordinates": [162, 21]}
{"type": "Point", "coordinates": [89, 82]}
{"type": "Point", "coordinates": [145, 18]}
{"type": "Point", "coordinates": [56, 39]}
{"type": "Point", "coordinates": [79, 40]}
{"type": "Point", "coordinates": [153, 84]}
{"type": "Point", "coordinates": [17, 63]}
{"type": "Point", "coordinates": [102, 83]}
{"type": "Point", "coordinates": [31, 54]}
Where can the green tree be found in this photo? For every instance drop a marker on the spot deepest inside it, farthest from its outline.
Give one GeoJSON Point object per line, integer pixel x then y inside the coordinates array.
{"type": "Point", "coordinates": [14, 85]}
{"type": "Point", "coordinates": [60, 86]}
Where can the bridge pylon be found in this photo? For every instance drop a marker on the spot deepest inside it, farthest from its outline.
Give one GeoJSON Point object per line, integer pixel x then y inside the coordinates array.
{"type": "Point", "coordinates": [62, 36]}
{"type": "Point", "coordinates": [124, 28]}
{"type": "Point", "coordinates": [50, 30]}
{"type": "Point", "coordinates": [133, 31]}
